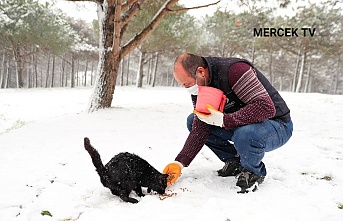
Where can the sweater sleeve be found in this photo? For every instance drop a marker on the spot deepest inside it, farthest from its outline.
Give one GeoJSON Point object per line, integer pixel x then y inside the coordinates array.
{"type": "Point", "coordinates": [194, 143]}
{"type": "Point", "coordinates": [245, 84]}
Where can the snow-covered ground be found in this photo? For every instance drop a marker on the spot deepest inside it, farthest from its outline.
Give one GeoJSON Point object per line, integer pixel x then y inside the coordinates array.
{"type": "Point", "coordinates": [44, 167]}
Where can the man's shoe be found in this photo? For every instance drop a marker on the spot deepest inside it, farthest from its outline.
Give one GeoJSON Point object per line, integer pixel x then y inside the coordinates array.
{"type": "Point", "coordinates": [248, 181]}
{"type": "Point", "coordinates": [230, 169]}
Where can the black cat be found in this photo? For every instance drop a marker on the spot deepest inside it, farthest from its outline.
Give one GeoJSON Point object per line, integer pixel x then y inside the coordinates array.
{"type": "Point", "coordinates": [126, 172]}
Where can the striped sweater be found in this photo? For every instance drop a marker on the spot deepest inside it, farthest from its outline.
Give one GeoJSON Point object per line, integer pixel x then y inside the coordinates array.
{"type": "Point", "coordinates": [259, 106]}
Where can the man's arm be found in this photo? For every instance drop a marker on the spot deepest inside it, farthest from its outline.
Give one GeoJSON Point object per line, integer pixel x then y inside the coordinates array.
{"type": "Point", "coordinates": [195, 141]}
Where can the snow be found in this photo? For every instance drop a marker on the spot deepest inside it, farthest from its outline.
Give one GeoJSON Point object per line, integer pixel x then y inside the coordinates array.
{"type": "Point", "coordinates": [44, 166]}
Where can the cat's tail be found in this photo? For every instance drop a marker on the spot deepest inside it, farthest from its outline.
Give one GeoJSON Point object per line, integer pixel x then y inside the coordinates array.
{"type": "Point", "coordinates": [100, 168]}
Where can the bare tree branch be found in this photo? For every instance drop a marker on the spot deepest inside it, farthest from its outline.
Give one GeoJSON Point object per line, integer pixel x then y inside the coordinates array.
{"type": "Point", "coordinates": [127, 4]}
{"type": "Point", "coordinates": [96, 1]}
{"type": "Point", "coordinates": [132, 12]}
{"type": "Point", "coordinates": [156, 20]}
{"type": "Point", "coordinates": [196, 7]}
{"type": "Point", "coordinates": [147, 31]}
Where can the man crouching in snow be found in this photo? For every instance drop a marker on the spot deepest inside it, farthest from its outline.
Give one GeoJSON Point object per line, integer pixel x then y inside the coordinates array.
{"type": "Point", "coordinates": [255, 119]}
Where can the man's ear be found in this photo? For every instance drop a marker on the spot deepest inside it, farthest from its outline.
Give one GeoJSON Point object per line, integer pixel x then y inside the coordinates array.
{"type": "Point", "coordinates": [201, 72]}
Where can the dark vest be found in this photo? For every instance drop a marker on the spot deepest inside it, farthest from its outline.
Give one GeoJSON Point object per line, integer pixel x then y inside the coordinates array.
{"type": "Point", "coordinates": [219, 74]}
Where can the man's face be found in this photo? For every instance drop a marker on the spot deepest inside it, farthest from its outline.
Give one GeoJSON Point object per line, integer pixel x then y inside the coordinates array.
{"type": "Point", "coordinates": [182, 77]}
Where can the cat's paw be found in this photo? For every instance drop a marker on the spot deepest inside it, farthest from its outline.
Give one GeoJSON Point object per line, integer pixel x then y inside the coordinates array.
{"type": "Point", "coordinates": [132, 200]}
{"type": "Point", "coordinates": [140, 194]}
{"type": "Point", "coordinates": [129, 199]}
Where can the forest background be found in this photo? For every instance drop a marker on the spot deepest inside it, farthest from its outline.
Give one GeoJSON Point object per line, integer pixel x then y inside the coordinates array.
{"type": "Point", "coordinates": [40, 46]}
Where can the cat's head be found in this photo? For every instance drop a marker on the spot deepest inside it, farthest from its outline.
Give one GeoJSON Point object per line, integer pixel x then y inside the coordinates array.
{"type": "Point", "coordinates": [159, 184]}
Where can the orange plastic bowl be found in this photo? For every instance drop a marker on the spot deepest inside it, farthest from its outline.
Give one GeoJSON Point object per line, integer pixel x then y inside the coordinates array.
{"type": "Point", "coordinates": [211, 96]}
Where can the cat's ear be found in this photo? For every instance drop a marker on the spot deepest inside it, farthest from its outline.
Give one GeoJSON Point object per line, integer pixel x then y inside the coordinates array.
{"type": "Point", "coordinates": [163, 179]}
{"type": "Point", "coordinates": [165, 176]}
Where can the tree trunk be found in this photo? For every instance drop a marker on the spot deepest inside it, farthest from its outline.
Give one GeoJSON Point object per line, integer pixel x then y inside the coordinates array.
{"type": "Point", "coordinates": [41, 77]}
{"type": "Point", "coordinates": [105, 82]}
{"type": "Point", "coordinates": [222, 50]}
{"type": "Point", "coordinates": [28, 77]}
{"type": "Point", "coordinates": [72, 74]}
{"type": "Point", "coordinates": [7, 76]}
{"type": "Point", "coordinates": [310, 85]}
{"type": "Point", "coordinates": [270, 67]}
{"type": "Point", "coordinates": [65, 72]}
{"type": "Point", "coordinates": [35, 71]}
{"type": "Point", "coordinates": [128, 69]}
{"type": "Point", "coordinates": [108, 61]}
{"type": "Point", "coordinates": [253, 52]}
{"type": "Point", "coordinates": [66, 76]}
{"type": "Point", "coordinates": [92, 72]}
{"type": "Point", "coordinates": [173, 82]}
{"type": "Point", "coordinates": [308, 78]}
{"type": "Point", "coordinates": [18, 72]}
{"type": "Point", "coordinates": [148, 77]}
{"type": "Point", "coordinates": [335, 86]}
{"type": "Point", "coordinates": [5, 71]}
{"type": "Point", "coordinates": [139, 82]}
{"type": "Point", "coordinates": [122, 64]}
{"type": "Point", "coordinates": [47, 73]}
{"type": "Point", "coordinates": [294, 83]}
{"type": "Point", "coordinates": [53, 71]}
{"type": "Point", "coordinates": [155, 70]}
{"type": "Point", "coordinates": [339, 64]}
{"type": "Point", "coordinates": [280, 82]}
{"type": "Point", "coordinates": [167, 76]}
{"type": "Point", "coordinates": [301, 73]}
{"type": "Point", "coordinates": [2, 71]}
{"type": "Point", "coordinates": [62, 70]}
{"type": "Point", "coordinates": [86, 69]}
{"type": "Point", "coordinates": [161, 79]}
{"type": "Point", "coordinates": [77, 72]}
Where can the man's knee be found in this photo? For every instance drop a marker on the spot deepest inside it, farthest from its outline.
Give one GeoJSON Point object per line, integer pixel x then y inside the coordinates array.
{"type": "Point", "coordinates": [247, 136]}
{"type": "Point", "coordinates": [190, 119]}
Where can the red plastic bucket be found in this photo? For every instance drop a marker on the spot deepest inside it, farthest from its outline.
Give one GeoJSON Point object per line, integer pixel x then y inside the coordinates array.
{"type": "Point", "coordinates": [211, 96]}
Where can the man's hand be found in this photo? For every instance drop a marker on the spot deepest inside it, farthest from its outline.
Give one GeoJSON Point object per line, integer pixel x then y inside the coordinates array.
{"type": "Point", "coordinates": [214, 118]}
{"type": "Point", "coordinates": [174, 171]}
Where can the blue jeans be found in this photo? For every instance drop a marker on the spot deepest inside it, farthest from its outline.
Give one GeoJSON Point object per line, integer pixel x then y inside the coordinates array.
{"type": "Point", "coordinates": [248, 143]}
